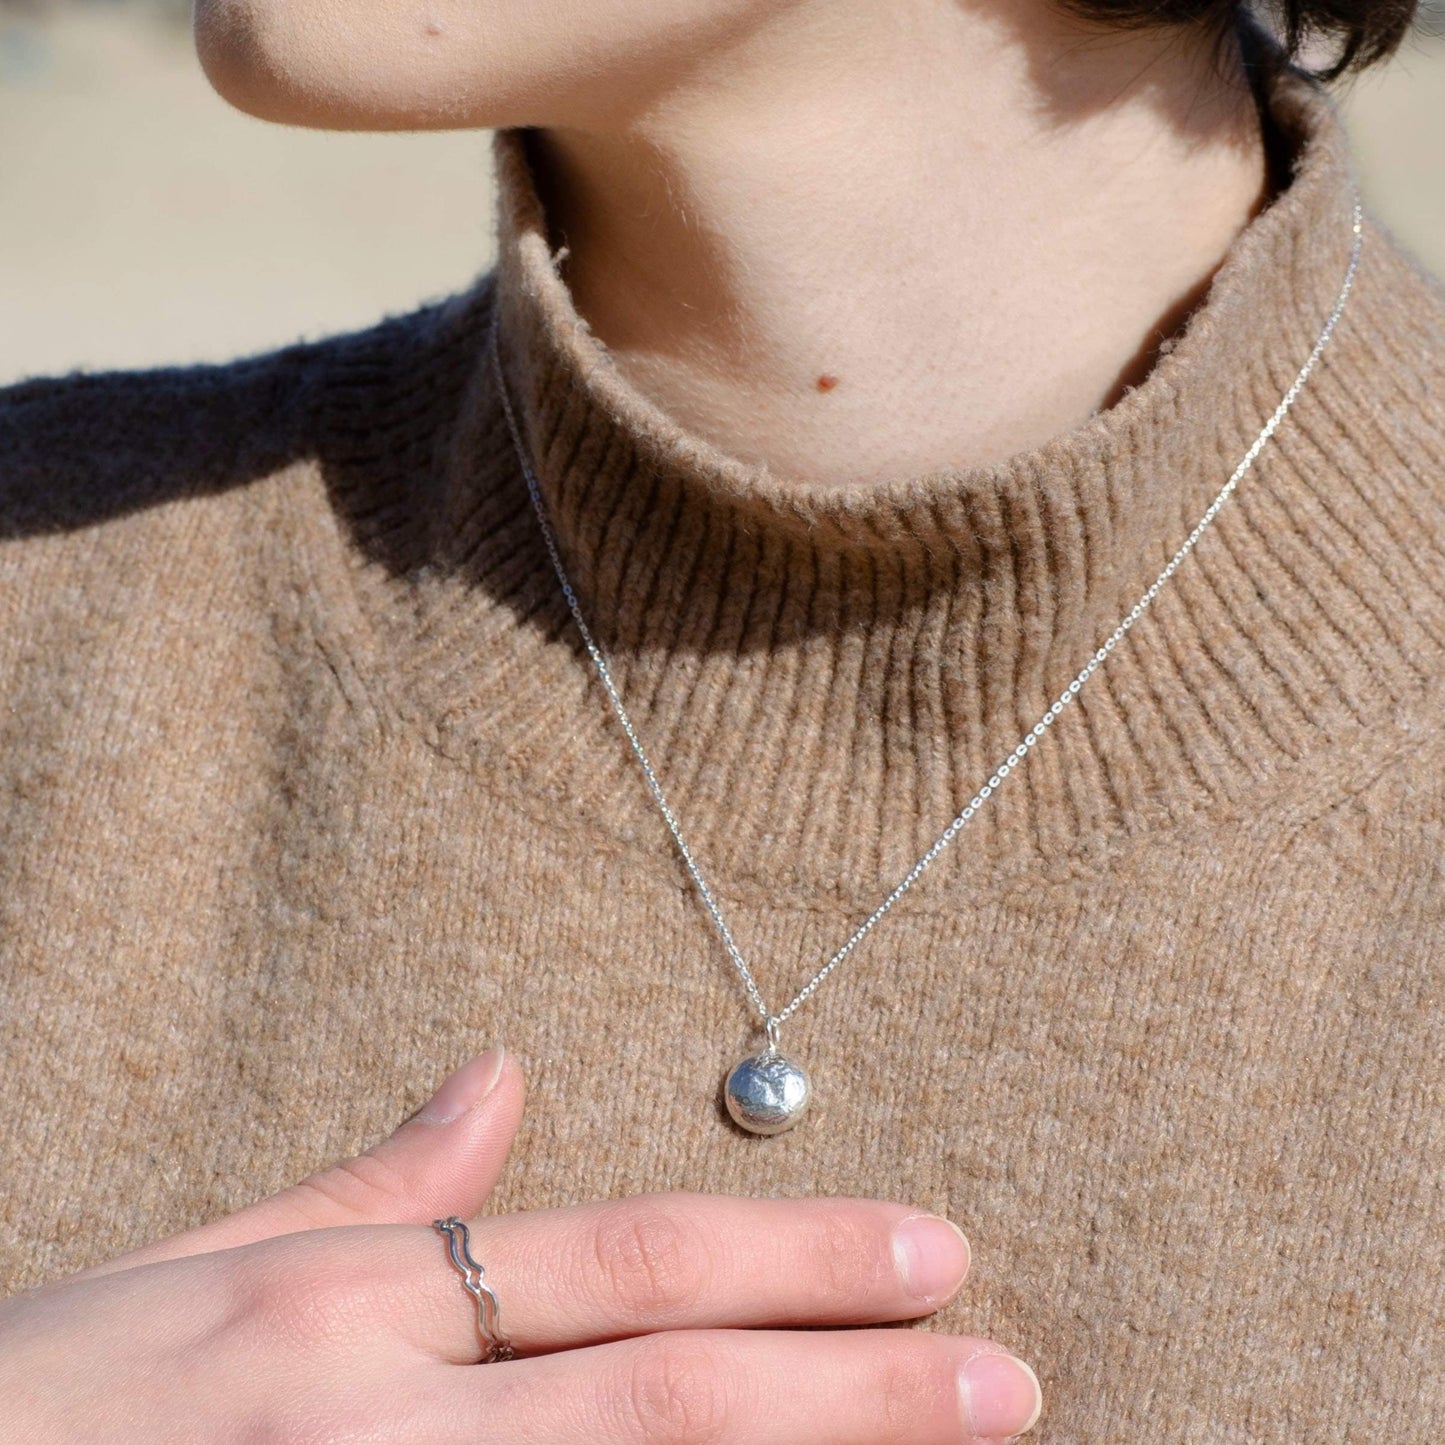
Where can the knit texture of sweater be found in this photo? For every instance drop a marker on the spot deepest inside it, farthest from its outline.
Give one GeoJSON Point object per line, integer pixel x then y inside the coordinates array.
{"type": "Point", "coordinates": [308, 791]}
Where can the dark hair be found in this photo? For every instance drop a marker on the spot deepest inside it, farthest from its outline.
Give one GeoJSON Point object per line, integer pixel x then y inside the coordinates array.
{"type": "Point", "coordinates": [1366, 31]}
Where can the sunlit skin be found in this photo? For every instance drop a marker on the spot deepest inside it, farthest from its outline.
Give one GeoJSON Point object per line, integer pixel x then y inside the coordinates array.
{"type": "Point", "coordinates": [853, 239]}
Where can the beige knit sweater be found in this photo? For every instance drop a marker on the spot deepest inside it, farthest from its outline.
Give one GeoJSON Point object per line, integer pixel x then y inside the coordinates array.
{"type": "Point", "coordinates": [308, 791]}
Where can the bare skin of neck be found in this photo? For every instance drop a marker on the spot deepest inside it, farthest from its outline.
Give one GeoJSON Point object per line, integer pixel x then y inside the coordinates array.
{"type": "Point", "coordinates": [865, 241]}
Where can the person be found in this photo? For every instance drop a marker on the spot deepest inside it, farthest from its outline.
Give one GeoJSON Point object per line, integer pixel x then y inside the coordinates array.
{"type": "Point", "coordinates": [864, 369]}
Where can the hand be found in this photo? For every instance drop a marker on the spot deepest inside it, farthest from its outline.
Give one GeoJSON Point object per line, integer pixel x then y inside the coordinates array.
{"type": "Point", "coordinates": [329, 1312]}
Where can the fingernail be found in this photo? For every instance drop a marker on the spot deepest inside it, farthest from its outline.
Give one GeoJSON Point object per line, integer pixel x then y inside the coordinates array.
{"type": "Point", "coordinates": [464, 1088]}
{"type": "Point", "coordinates": [932, 1256]}
{"type": "Point", "coordinates": [1000, 1395]}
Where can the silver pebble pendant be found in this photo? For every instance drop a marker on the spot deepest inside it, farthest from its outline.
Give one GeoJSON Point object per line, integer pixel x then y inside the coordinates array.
{"type": "Point", "coordinates": [767, 1093]}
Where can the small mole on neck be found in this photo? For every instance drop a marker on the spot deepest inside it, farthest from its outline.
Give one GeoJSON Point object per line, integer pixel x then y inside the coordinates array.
{"type": "Point", "coordinates": [434, 27]}
{"type": "Point", "coordinates": [827, 382]}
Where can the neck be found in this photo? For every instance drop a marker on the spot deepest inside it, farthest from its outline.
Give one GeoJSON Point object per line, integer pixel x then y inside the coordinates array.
{"type": "Point", "coordinates": [824, 674]}
{"type": "Point", "coordinates": [906, 239]}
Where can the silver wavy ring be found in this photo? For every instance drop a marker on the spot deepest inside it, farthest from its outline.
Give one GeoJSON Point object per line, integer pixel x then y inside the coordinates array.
{"type": "Point", "coordinates": [495, 1345]}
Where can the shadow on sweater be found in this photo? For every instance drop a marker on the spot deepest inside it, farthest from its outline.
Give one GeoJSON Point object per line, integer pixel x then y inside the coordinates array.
{"type": "Point", "coordinates": [79, 449]}
{"type": "Point", "coordinates": [82, 448]}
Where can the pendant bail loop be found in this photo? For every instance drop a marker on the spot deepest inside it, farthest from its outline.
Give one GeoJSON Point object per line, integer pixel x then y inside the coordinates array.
{"type": "Point", "coordinates": [774, 1028]}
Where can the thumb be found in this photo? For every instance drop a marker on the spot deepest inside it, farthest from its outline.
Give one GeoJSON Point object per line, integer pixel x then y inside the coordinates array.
{"type": "Point", "coordinates": [443, 1159]}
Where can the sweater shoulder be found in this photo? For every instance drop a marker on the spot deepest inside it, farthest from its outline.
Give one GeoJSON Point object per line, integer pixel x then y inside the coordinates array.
{"type": "Point", "coordinates": [1402, 306]}
{"type": "Point", "coordinates": [84, 448]}
{"type": "Point", "coordinates": [1386, 404]}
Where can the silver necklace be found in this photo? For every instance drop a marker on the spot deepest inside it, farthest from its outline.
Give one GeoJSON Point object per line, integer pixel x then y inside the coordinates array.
{"type": "Point", "coordinates": [769, 1092]}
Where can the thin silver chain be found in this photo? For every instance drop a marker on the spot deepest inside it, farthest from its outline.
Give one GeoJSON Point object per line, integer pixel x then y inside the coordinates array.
{"type": "Point", "coordinates": [773, 1021]}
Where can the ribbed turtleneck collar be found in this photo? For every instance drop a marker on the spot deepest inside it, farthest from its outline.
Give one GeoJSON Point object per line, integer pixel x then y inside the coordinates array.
{"type": "Point", "coordinates": [823, 676]}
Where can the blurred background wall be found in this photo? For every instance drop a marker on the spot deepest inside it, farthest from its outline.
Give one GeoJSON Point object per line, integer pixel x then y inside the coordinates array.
{"type": "Point", "coordinates": [142, 220]}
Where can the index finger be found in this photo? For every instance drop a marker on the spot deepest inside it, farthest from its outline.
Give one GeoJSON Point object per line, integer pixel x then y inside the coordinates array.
{"type": "Point", "coordinates": [585, 1273]}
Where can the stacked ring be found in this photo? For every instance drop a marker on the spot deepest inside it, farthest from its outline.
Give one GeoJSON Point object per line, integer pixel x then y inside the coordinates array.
{"type": "Point", "coordinates": [495, 1345]}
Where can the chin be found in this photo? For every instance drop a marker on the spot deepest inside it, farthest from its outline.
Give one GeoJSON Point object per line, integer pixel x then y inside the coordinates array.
{"type": "Point", "coordinates": [239, 48]}
{"type": "Point", "coordinates": [457, 64]}
{"type": "Point", "coordinates": [354, 65]}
